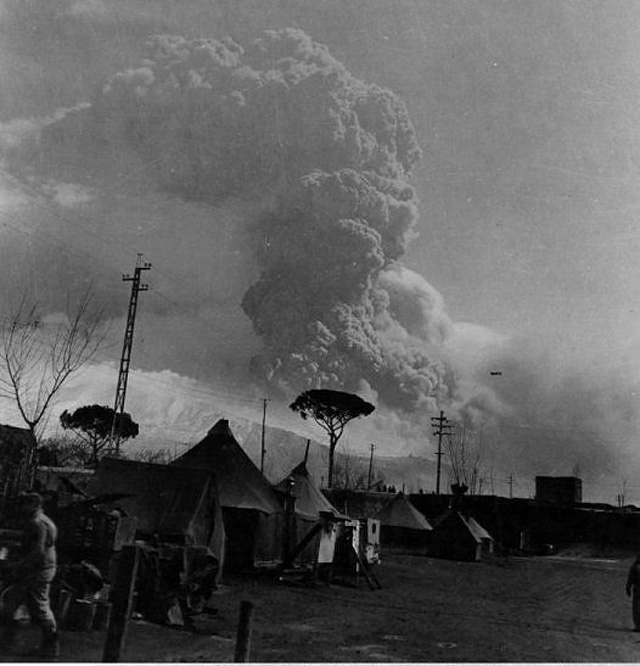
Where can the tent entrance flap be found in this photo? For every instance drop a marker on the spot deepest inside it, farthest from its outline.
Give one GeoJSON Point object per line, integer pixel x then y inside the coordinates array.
{"type": "Point", "coordinates": [253, 538]}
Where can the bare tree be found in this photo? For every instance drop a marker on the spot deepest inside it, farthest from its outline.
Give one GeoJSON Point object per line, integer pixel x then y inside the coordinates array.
{"type": "Point", "coordinates": [149, 455]}
{"type": "Point", "coordinates": [63, 451]}
{"type": "Point", "coordinates": [346, 471]}
{"type": "Point", "coordinates": [622, 492]}
{"type": "Point", "coordinates": [351, 472]}
{"type": "Point", "coordinates": [39, 355]}
{"type": "Point", "coordinates": [466, 458]}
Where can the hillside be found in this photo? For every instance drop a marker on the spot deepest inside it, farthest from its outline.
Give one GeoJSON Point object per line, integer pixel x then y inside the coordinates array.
{"type": "Point", "coordinates": [285, 449]}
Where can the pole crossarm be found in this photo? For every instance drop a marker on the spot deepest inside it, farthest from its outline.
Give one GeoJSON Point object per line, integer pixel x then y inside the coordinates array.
{"type": "Point", "coordinates": [441, 427]}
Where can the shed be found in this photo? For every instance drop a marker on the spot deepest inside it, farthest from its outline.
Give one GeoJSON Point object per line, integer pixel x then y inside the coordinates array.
{"type": "Point", "coordinates": [253, 516]}
{"type": "Point", "coordinates": [458, 537]}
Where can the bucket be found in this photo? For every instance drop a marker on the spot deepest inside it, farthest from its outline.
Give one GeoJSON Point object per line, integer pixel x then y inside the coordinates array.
{"type": "Point", "coordinates": [63, 604]}
{"type": "Point", "coordinates": [81, 615]}
{"type": "Point", "coordinates": [102, 615]}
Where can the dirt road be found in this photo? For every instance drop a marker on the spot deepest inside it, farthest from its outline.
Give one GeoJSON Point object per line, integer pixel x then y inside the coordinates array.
{"type": "Point", "coordinates": [519, 610]}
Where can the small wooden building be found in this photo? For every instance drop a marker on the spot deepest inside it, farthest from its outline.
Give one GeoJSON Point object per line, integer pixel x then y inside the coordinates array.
{"type": "Point", "coordinates": [459, 537]}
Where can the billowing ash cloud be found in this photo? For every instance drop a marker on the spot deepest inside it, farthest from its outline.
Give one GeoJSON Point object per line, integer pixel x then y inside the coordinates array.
{"type": "Point", "coordinates": [271, 189]}
{"type": "Point", "coordinates": [329, 302]}
{"type": "Point", "coordinates": [329, 157]}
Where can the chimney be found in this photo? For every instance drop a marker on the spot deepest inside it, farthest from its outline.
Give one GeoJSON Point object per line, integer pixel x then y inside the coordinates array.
{"type": "Point", "coordinates": [457, 491]}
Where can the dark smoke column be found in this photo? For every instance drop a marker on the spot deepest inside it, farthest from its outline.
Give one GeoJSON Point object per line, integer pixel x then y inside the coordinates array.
{"type": "Point", "coordinates": [319, 305]}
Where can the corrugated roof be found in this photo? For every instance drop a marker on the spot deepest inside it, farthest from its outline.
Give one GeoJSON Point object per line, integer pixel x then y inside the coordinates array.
{"type": "Point", "coordinates": [399, 512]}
{"type": "Point", "coordinates": [241, 485]}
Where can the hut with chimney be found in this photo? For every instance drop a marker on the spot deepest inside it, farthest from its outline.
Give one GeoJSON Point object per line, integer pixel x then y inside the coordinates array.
{"type": "Point", "coordinates": [458, 536]}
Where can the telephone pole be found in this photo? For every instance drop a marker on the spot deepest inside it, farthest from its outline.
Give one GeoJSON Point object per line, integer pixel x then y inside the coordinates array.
{"type": "Point", "coordinates": [125, 359]}
{"type": "Point", "coordinates": [510, 486]}
{"type": "Point", "coordinates": [442, 427]}
{"type": "Point", "coordinates": [370, 478]}
{"type": "Point", "coordinates": [263, 451]}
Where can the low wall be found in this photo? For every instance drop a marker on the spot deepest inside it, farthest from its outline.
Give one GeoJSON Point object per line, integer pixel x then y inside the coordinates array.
{"type": "Point", "coordinates": [510, 521]}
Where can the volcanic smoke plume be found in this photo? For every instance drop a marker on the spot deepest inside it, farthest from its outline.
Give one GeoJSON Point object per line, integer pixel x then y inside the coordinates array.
{"type": "Point", "coordinates": [329, 157]}
{"type": "Point", "coordinates": [271, 190]}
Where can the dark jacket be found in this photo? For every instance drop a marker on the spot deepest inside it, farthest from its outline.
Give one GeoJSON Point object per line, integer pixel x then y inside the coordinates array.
{"type": "Point", "coordinates": [38, 547]}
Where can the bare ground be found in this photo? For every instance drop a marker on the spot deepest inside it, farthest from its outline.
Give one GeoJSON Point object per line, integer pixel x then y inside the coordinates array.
{"type": "Point", "coordinates": [515, 610]}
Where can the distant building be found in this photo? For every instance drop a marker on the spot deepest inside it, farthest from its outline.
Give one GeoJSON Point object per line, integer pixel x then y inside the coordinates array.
{"type": "Point", "coordinates": [563, 490]}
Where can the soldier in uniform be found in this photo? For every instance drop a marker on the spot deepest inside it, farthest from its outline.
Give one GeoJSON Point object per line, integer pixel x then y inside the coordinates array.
{"type": "Point", "coordinates": [31, 575]}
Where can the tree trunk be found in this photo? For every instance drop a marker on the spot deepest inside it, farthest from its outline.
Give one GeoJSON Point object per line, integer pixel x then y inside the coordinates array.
{"type": "Point", "coordinates": [32, 459]}
{"type": "Point", "coordinates": [332, 447]}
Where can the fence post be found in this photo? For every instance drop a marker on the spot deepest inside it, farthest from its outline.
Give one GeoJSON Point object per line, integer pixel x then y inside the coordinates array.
{"type": "Point", "coordinates": [122, 600]}
{"type": "Point", "coordinates": [243, 636]}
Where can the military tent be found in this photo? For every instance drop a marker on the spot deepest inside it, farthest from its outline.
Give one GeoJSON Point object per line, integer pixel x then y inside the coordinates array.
{"type": "Point", "coordinates": [401, 524]}
{"type": "Point", "coordinates": [253, 516]}
{"type": "Point", "coordinates": [177, 505]}
{"type": "Point", "coordinates": [459, 537]}
{"type": "Point", "coordinates": [308, 503]}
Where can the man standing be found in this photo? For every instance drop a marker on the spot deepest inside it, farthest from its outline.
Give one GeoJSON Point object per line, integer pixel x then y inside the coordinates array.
{"type": "Point", "coordinates": [633, 586]}
{"type": "Point", "coordinates": [31, 576]}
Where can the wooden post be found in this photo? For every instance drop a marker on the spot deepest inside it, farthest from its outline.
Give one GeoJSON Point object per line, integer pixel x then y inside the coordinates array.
{"type": "Point", "coordinates": [243, 636]}
{"type": "Point", "coordinates": [122, 601]}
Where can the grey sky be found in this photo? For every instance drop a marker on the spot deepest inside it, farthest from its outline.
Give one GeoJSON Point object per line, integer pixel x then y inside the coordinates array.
{"type": "Point", "coordinates": [527, 113]}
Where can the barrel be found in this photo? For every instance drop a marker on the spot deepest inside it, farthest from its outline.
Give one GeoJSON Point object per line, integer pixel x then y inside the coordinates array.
{"type": "Point", "coordinates": [81, 615]}
{"type": "Point", "coordinates": [63, 604]}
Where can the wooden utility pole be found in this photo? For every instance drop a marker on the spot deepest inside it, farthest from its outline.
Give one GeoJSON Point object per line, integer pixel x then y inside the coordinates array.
{"type": "Point", "coordinates": [443, 427]}
{"type": "Point", "coordinates": [263, 450]}
{"type": "Point", "coordinates": [370, 477]}
{"type": "Point", "coordinates": [510, 486]}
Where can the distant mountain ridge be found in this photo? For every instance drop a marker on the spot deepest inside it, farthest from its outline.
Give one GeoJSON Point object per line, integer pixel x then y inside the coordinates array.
{"type": "Point", "coordinates": [285, 449]}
